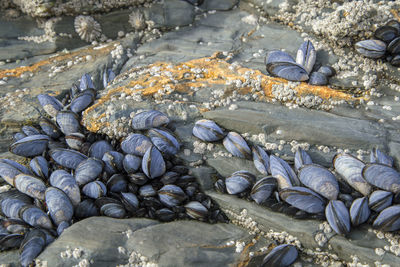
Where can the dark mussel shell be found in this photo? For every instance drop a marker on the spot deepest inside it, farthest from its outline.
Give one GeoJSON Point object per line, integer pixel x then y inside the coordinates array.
{"type": "Point", "coordinates": [30, 185]}
{"type": "Point", "coordinates": [67, 158]}
{"type": "Point", "coordinates": [303, 199]}
{"type": "Point", "coordinates": [359, 211]}
{"type": "Point", "coordinates": [263, 189]}
{"type": "Point", "coordinates": [338, 217]}
{"type": "Point", "coordinates": [371, 48]}
{"type": "Point", "coordinates": [110, 207]}
{"type": "Point", "coordinates": [138, 178]}
{"type": "Point", "coordinates": [67, 183]}
{"type": "Point", "coordinates": [382, 176]}
{"type": "Point", "coordinates": [33, 243]}
{"type": "Point", "coordinates": [98, 148]}
{"type": "Point", "coordinates": [306, 56]}
{"type": "Point", "coordinates": [29, 130]}
{"type": "Point", "coordinates": [317, 78]}
{"type": "Point", "coordinates": [82, 100]}
{"type": "Point", "coordinates": [11, 207]}
{"type": "Point", "coordinates": [68, 122]}
{"type": "Point", "coordinates": [88, 170]}
{"type": "Point", "coordinates": [108, 76]}
{"type": "Point", "coordinates": [327, 70]}
{"type": "Point", "coordinates": [171, 195]}
{"type": "Point", "coordinates": [281, 170]}
{"type": "Point", "coordinates": [49, 128]}
{"type": "Point", "coordinates": [59, 205]}
{"type": "Point", "coordinates": [394, 46]}
{"type": "Point", "coordinates": [149, 119]}
{"type": "Point", "coordinates": [378, 156]}
{"type": "Point", "coordinates": [8, 172]}
{"type": "Point", "coordinates": [208, 131]}
{"type": "Point", "coordinates": [164, 141]}
{"type": "Point", "coordinates": [95, 189]}
{"type": "Point", "coordinates": [394, 23]}
{"type": "Point", "coordinates": [165, 215]}
{"type": "Point", "coordinates": [136, 144]}
{"type": "Point", "coordinates": [147, 190]}
{"type": "Point", "coordinates": [153, 164]}
{"type": "Point", "coordinates": [117, 183]}
{"type": "Point", "coordinates": [280, 256]}
{"type": "Point", "coordinates": [237, 146]}
{"type": "Point", "coordinates": [301, 158]}
{"type": "Point", "coordinates": [260, 159]}
{"type": "Point", "coordinates": [386, 33]}
{"type": "Point", "coordinates": [75, 140]}
{"type": "Point", "coordinates": [196, 210]}
{"type": "Point", "coordinates": [50, 104]}
{"type": "Point", "coordinates": [389, 219]}
{"type": "Point", "coordinates": [131, 163]}
{"type": "Point", "coordinates": [40, 167]}
{"type": "Point", "coordinates": [30, 146]}
{"type": "Point", "coordinates": [239, 182]}
{"type": "Point", "coordinates": [86, 209]}
{"type": "Point", "coordinates": [10, 241]}
{"type": "Point", "coordinates": [282, 65]}
{"type": "Point", "coordinates": [35, 217]}
{"type": "Point", "coordinates": [86, 82]}
{"type": "Point", "coordinates": [130, 201]}
{"type": "Point", "coordinates": [113, 162]}
{"type": "Point", "coordinates": [380, 200]}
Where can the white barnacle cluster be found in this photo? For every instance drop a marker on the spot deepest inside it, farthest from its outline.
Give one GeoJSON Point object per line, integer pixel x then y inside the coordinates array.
{"type": "Point", "coordinates": [49, 33]}
{"type": "Point", "coordinates": [87, 28]}
{"type": "Point", "coordinates": [393, 240]}
{"type": "Point", "coordinates": [138, 260]}
{"type": "Point", "coordinates": [12, 99]}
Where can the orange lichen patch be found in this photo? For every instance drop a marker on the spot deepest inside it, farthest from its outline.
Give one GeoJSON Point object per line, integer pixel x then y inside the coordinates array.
{"type": "Point", "coordinates": [17, 72]}
{"type": "Point", "coordinates": [163, 78]}
{"type": "Point", "coordinates": [395, 14]}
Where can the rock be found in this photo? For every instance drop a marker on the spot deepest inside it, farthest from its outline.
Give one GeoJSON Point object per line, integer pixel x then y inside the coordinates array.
{"type": "Point", "coordinates": [219, 5]}
{"type": "Point", "coordinates": [10, 258]}
{"type": "Point", "coordinates": [171, 13]}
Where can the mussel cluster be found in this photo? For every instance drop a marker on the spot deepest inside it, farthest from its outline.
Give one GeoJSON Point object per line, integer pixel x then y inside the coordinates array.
{"type": "Point", "coordinates": [281, 64]}
{"type": "Point", "coordinates": [385, 45]}
{"type": "Point", "coordinates": [352, 193]}
{"type": "Point", "coordinates": [74, 174]}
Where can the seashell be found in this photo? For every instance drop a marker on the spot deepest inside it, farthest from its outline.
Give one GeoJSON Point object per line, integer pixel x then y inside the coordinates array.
{"type": "Point", "coordinates": [29, 130]}
{"type": "Point", "coordinates": [220, 186]}
{"type": "Point", "coordinates": [86, 82]}
{"type": "Point", "coordinates": [98, 148]}
{"type": "Point", "coordinates": [86, 209]}
{"type": "Point", "coordinates": [303, 199]}
{"type": "Point", "coordinates": [117, 183]}
{"type": "Point", "coordinates": [263, 189]}
{"type": "Point", "coordinates": [138, 178]}
{"type": "Point", "coordinates": [165, 215]}
{"type": "Point", "coordinates": [35, 217]}
{"type": "Point", "coordinates": [88, 170]}
{"type": "Point", "coordinates": [153, 164]}
{"type": "Point", "coordinates": [136, 144]}
{"type": "Point", "coordinates": [317, 78]}
{"type": "Point", "coordinates": [83, 100]}
{"type": "Point", "coordinates": [169, 177]}
{"type": "Point", "coordinates": [282, 65]}
{"type": "Point", "coordinates": [11, 207]}
{"type": "Point", "coordinates": [301, 158]}
{"type": "Point", "coordinates": [130, 201]}
{"type": "Point", "coordinates": [306, 56]}
{"type": "Point", "coordinates": [395, 61]}
{"type": "Point", "coordinates": [147, 191]}
{"type": "Point", "coordinates": [75, 140]}
{"type": "Point", "coordinates": [50, 104]}
{"type": "Point", "coordinates": [30, 185]}
{"type": "Point", "coordinates": [359, 211]}
{"type": "Point", "coordinates": [59, 205]}
{"type": "Point", "coordinates": [388, 220]}
{"type": "Point", "coordinates": [380, 200]}
{"type": "Point", "coordinates": [164, 141]}
{"type": "Point", "coordinates": [67, 158]}
{"type": "Point", "coordinates": [378, 156]}
{"type": "Point", "coordinates": [207, 131]}
{"type": "Point", "coordinates": [62, 226]}
{"type": "Point", "coordinates": [110, 207]}
{"type": "Point", "coordinates": [382, 176]}
{"type": "Point", "coordinates": [74, 91]}
{"type": "Point", "coordinates": [40, 166]}
{"type": "Point", "coordinates": [320, 180]}
{"type": "Point", "coordinates": [33, 243]}
{"type": "Point", "coordinates": [386, 33]}
{"type": "Point", "coordinates": [95, 189]}
{"type": "Point", "coordinates": [14, 226]}
{"type": "Point", "coordinates": [137, 20]}
{"type": "Point", "coordinates": [15, 194]}
{"type": "Point", "coordinates": [30, 146]}
{"type": "Point", "coordinates": [108, 76]}
{"type": "Point", "coordinates": [338, 217]}
{"type": "Point", "coordinates": [49, 128]}
{"type": "Point", "coordinates": [8, 172]}
{"type": "Point", "coordinates": [18, 136]}
{"type": "Point", "coordinates": [350, 169]}
{"type": "Point", "coordinates": [68, 122]}
{"type": "Point", "coordinates": [196, 210]}
{"type": "Point", "coordinates": [260, 159]}
{"type": "Point", "coordinates": [87, 28]}
{"type": "Point", "coordinates": [327, 70]}
{"type": "Point", "coordinates": [149, 119]}
{"type": "Point", "coordinates": [66, 182]}
{"type": "Point", "coordinates": [10, 241]}
{"type": "Point", "coordinates": [280, 256]}
{"type": "Point", "coordinates": [371, 48]}
{"type": "Point", "coordinates": [237, 146]}
{"type": "Point", "coordinates": [239, 182]}
{"type": "Point", "coordinates": [131, 163]}
{"type": "Point", "coordinates": [171, 195]}
{"type": "Point", "coordinates": [394, 46]}
{"type": "Point", "coordinates": [284, 174]}
{"type": "Point", "coordinates": [113, 162]}
{"type": "Point", "coordinates": [394, 23]}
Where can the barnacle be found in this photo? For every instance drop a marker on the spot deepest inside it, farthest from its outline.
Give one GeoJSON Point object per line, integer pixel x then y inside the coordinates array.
{"type": "Point", "coordinates": [87, 28]}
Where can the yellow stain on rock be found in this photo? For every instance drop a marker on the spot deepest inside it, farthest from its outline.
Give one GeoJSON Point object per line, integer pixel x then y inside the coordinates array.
{"type": "Point", "coordinates": [395, 14]}
{"type": "Point", "coordinates": [215, 71]}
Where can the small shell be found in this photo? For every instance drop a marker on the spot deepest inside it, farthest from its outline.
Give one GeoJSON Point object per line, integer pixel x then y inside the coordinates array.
{"type": "Point", "coordinates": [86, 82]}
{"type": "Point", "coordinates": [18, 136]}
{"type": "Point", "coordinates": [320, 180]}
{"type": "Point", "coordinates": [113, 162]}
{"type": "Point", "coordinates": [136, 144]}
{"type": "Point", "coordinates": [169, 177]}
{"type": "Point", "coordinates": [149, 119]}
{"type": "Point", "coordinates": [327, 70]}
{"type": "Point", "coordinates": [301, 158]}
{"type": "Point", "coordinates": [75, 140]}
{"type": "Point", "coordinates": [378, 156]}
{"type": "Point", "coordinates": [386, 33]}
{"type": "Point", "coordinates": [371, 48]}
{"type": "Point", "coordinates": [108, 77]}
{"type": "Point", "coordinates": [30, 146]}
{"type": "Point", "coordinates": [40, 167]}
{"type": "Point", "coordinates": [171, 195]}
{"type": "Point", "coordinates": [239, 182]}
{"type": "Point", "coordinates": [117, 183]}
{"type": "Point", "coordinates": [30, 185]}
{"type": "Point", "coordinates": [281, 256]}
{"type": "Point", "coordinates": [111, 207]}
{"type": "Point", "coordinates": [49, 128]}
{"type": "Point", "coordinates": [83, 100]}
{"type": "Point", "coordinates": [338, 217]}
{"type": "Point", "coordinates": [303, 199]}
{"type": "Point", "coordinates": [29, 130]}
{"type": "Point", "coordinates": [88, 170]}
{"type": "Point", "coordinates": [67, 158]}
{"type": "Point", "coordinates": [281, 170]}
{"type": "Point", "coordinates": [306, 56]}
{"type": "Point", "coordinates": [164, 141]}
{"type": "Point", "coordinates": [50, 104]}
{"type": "Point", "coordinates": [207, 131]}
{"type": "Point", "coordinates": [282, 65]}
{"type": "Point", "coordinates": [263, 189]}
{"type": "Point", "coordinates": [394, 46]}
{"type": "Point", "coordinates": [35, 217]}
{"type": "Point", "coordinates": [87, 28]}
{"type": "Point", "coordinates": [237, 146]}
{"type": "Point", "coordinates": [153, 164]}
{"type": "Point", "coordinates": [66, 182]}
{"type": "Point", "coordinates": [86, 209]}
{"type": "Point", "coordinates": [260, 159]}
{"type": "Point", "coordinates": [317, 78]}
{"type": "Point", "coordinates": [380, 200]}
{"type": "Point", "coordinates": [388, 220]}
{"type": "Point", "coordinates": [95, 189]}
{"type": "Point", "coordinates": [165, 215]}
{"type": "Point", "coordinates": [147, 191]}
{"type": "Point", "coordinates": [130, 201]}
{"type": "Point", "coordinates": [68, 122]}
{"type": "Point", "coordinates": [220, 186]}
{"type": "Point", "coordinates": [350, 169]}
{"type": "Point", "coordinates": [196, 210]}
{"type": "Point", "coordinates": [138, 178]}
{"type": "Point", "coordinates": [98, 148]}
{"type": "Point", "coordinates": [359, 211]}
{"type": "Point", "coordinates": [131, 163]}
{"type": "Point", "coordinates": [382, 176]}
{"type": "Point", "coordinates": [59, 205]}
